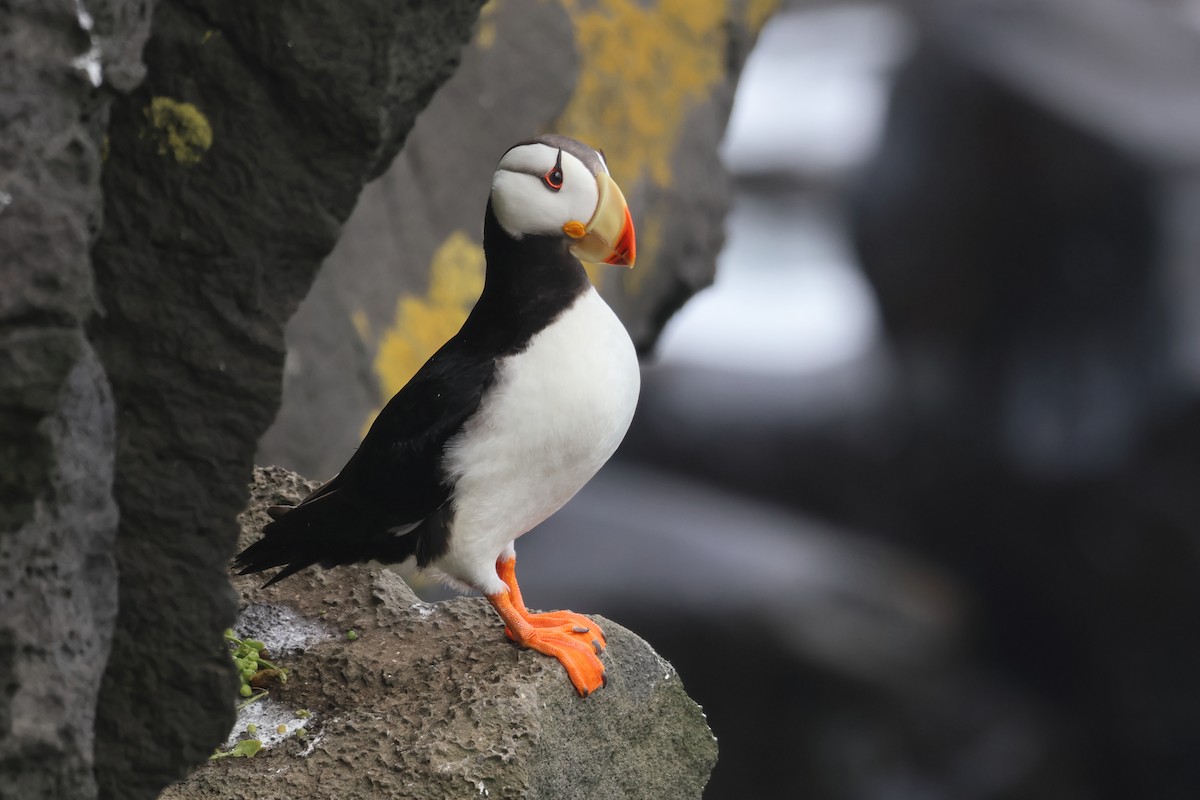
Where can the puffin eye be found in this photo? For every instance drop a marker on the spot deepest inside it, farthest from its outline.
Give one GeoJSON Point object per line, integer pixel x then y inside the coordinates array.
{"type": "Point", "coordinates": [554, 178]}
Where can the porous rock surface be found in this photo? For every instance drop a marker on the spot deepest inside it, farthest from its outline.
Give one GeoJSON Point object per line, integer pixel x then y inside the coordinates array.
{"type": "Point", "coordinates": [431, 701]}
{"type": "Point", "coordinates": [58, 521]}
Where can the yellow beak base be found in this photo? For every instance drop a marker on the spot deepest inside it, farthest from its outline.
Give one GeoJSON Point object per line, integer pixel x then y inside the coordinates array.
{"type": "Point", "coordinates": [608, 237]}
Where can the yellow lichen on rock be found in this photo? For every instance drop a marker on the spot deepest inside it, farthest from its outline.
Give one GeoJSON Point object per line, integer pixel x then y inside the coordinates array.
{"type": "Point", "coordinates": [423, 324]}
{"type": "Point", "coordinates": [362, 325]}
{"type": "Point", "coordinates": [485, 34]}
{"type": "Point", "coordinates": [758, 12]}
{"type": "Point", "coordinates": [643, 68]}
{"type": "Point", "coordinates": [181, 130]}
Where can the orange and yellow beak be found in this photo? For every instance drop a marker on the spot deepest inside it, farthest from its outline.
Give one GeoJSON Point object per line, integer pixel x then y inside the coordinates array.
{"type": "Point", "coordinates": [608, 236]}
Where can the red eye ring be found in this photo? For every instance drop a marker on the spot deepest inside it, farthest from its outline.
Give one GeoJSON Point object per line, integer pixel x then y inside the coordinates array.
{"type": "Point", "coordinates": [554, 178]}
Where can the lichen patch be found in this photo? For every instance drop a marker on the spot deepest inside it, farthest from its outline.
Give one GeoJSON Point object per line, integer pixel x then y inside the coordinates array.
{"type": "Point", "coordinates": [180, 129]}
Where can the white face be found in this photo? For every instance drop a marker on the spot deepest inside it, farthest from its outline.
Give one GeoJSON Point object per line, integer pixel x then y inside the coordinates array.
{"type": "Point", "coordinates": [524, 197]}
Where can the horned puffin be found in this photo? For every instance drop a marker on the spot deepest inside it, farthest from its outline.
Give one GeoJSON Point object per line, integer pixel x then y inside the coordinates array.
{"type": "Point", "coordinates": [504, 423]}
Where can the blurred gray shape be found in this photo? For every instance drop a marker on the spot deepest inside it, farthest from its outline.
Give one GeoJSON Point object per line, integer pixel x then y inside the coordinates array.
{"type": "Point", "coordinates": [637, 539]}
{"type": "Point", "coordinates": [1124, 78]}
{"type": "Point", "coordinates": [1130, 71]}
{"type": "Point", "coordinates": [1016, 261]}
{"type": "Point", "coordinates": [1029, 230]}
{"type": "Point", "coordinates": [811, 99]}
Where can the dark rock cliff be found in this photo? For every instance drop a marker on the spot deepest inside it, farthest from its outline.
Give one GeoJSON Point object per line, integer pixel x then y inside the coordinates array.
{"type": "Point", "coordinates": [230, 170]}
{"type": "Point", "coordinates": [58, 520]}
{"type": "Point", "coordinates": [141, 380]}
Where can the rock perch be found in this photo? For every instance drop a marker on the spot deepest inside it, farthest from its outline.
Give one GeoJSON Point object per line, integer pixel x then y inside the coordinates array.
{"type": "Point", "coordinates": [431, 701]}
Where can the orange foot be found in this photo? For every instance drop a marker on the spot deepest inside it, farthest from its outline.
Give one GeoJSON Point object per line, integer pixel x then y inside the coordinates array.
{"type": "Point", "coordinates": [568, 622]}
{"type": "Point", "coordinates": [572, 638]}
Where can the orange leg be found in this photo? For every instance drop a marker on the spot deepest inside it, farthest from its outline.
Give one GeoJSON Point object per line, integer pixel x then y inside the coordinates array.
{"type": "Point", "coordinates": [568, 622]}
{"type": "Point", "coordinates": [571, 638]}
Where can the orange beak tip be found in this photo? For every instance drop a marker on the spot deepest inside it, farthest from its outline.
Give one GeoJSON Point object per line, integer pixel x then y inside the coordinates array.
{"type": "Point", "coordinates": [625, 252]}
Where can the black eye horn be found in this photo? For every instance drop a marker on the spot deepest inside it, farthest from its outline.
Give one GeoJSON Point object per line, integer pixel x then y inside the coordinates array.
{"type": "Point", "coordinates": [554, 178]}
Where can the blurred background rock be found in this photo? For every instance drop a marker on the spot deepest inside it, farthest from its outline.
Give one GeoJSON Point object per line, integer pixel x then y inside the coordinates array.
{"type": "Point", "coordinates": [911, 497]}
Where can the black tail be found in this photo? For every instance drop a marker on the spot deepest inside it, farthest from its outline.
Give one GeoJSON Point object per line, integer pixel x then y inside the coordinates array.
{"type": "Point", "coordinates": [329, 528]}
{"type": "Point", "coordinates": [299, 537]}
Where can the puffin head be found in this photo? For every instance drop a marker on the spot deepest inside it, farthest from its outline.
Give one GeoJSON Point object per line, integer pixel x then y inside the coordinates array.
{"type": "Point", "coordinates": [558, 187]}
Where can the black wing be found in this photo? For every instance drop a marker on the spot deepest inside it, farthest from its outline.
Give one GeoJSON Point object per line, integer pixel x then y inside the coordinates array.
{"type": "Point", "coordinates": [391, 500]}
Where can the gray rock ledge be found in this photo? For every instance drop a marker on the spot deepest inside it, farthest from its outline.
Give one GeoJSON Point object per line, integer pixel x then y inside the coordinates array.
{"type": "Point", "coordinates": [431, 701]}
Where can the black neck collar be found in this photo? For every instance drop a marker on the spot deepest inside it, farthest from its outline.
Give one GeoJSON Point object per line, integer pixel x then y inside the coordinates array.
{"type": "Point", "coordinates": [529, 283]}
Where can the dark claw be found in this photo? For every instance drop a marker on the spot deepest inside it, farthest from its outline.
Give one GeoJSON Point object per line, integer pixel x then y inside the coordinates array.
{"type": "Point", "coordinates": [603, 679]}
{"type": "Point", "coordinates": [580, 629]}
{"type": "Point", "coordinates": [596, 644]}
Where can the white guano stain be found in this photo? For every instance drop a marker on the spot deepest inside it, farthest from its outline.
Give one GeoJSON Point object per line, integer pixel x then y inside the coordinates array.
{"type": "Point", "coordinates": [424, 610]}
{"type": "Point", "coordinates": [89, 62]}
{"type": "Point", "coordinates": [268, 716]}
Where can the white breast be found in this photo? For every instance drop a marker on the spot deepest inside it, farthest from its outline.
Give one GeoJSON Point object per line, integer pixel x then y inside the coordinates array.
{"type": "Point", "coordinates": [555, 413]}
